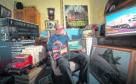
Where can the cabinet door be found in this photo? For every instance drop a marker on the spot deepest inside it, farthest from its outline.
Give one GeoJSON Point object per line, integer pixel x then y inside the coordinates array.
{"type": "Point", "coordinates": [31, 15]}
{"type": "Point", "coordinates": [19, 14]}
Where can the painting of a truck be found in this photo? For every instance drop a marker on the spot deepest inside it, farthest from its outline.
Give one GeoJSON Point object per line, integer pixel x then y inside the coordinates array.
{"type": "Point", "coordinates": [125, 21]}
{"type": "Point", "coordinates": [122, 22]}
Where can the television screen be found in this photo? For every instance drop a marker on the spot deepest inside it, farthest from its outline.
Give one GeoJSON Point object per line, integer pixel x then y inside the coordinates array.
{"type": "Point", "coordinates": [121, 23]}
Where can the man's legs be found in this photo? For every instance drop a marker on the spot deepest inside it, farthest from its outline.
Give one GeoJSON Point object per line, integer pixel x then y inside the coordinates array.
{"type": "Point", "coordinates": [83, 61]}
{"type": "Point", "coordinates": [64, 67]}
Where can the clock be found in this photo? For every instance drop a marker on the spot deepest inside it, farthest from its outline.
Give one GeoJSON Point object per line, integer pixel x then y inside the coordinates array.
{"type": "Point", "coordinates": [51, 13]}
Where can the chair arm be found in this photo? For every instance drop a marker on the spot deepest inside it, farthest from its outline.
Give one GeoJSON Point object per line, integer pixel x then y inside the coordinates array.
{"type": "Point", "coordinates": [53, 65]}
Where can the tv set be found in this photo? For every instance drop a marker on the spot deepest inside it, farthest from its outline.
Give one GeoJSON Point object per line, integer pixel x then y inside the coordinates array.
{"type": "Point", "coordinates": [121, 23]}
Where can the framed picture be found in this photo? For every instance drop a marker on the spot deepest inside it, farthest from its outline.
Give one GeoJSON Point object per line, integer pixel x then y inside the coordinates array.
{"type": "Point", "coordinates": [51, 25]}
{"type": "Point", "coordinates": [121, 23]}
{"type": "Point", "coordinates": [75, 16]}
{"type": "Point", "coordinates": [87, 33]}
{"type": "Point", "coordinates": [112, 65]}
{"type": "Point", "coordinates": [74, 45]}
{"type": "Point", "coordinates": [4, 12]}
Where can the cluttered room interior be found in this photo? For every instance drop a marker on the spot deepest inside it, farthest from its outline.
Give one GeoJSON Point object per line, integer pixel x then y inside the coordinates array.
{"type": "Point", "coordinates": [67, 42]}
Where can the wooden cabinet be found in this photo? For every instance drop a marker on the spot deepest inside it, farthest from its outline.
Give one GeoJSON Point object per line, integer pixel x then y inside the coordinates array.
{"type": "Point", "coordinates": [19, 14]}
{"type": "Point", "coordinates": [29, 15]}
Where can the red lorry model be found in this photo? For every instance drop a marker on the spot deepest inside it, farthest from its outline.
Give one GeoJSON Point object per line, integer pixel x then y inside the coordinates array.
{"type": "Point", "coordinates": [29, 57]}
{"type": "Point", "coordinates": [21, 63]}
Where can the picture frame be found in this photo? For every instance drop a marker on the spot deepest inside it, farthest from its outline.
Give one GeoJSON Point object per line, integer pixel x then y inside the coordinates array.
{"type": "Point", "coordinates": [51, 24]}
{"type": "Point", "coordinates": [4, 12]}
{"type": "Point", "coordinates": [121, 23]}
{"type": "Point", "coordinates": [88, 33]}
{"type": "Point", "coordinates": [112, 65]}
{"type": "Point", "coordinates": [75, 16]}
{"type": "Point", "coordinates": [74, 45]}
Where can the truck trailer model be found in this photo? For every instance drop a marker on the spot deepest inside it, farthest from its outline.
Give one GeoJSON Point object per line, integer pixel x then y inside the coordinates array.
{"type": "Point", "coordinates": [29, 58]}
{"type": "Point", "coordinates": [13, 29]}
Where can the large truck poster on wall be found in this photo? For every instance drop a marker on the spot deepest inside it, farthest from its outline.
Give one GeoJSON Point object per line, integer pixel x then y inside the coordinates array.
{"type": "Point", "coordinates": [123, 22]}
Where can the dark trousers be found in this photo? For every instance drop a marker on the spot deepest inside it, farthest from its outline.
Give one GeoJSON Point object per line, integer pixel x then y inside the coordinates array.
{"type": "Point", "coordinates": [64, 66]}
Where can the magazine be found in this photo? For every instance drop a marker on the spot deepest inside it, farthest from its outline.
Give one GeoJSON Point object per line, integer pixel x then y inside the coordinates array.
{"type": "Point", "coordinates": [58, 51]}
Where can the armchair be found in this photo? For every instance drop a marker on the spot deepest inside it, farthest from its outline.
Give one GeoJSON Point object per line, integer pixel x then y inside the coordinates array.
{"type": "Point", "coordinates": [56, 71]}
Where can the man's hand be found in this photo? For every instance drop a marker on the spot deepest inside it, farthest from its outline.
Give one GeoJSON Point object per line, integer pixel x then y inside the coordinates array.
{"type": "Point", "coordinates": [57, 43]}
{"type": "Point", "coordinates": [83, 50]}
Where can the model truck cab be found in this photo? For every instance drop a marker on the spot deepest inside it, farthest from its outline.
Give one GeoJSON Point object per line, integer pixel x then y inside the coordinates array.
{"type": "Point", "coordinates": [21, 63]}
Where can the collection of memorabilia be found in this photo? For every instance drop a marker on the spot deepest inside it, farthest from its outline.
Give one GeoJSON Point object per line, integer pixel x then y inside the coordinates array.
{"type": "Point", "coordinates": [21, 59]}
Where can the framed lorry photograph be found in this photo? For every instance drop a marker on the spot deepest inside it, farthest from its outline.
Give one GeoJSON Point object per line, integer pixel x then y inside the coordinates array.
{"type": "Point", "coordinates": [112, 65]}
{"type": "Point", "coordinates": [51, 25]}
{"type": "Point", "coordinates": [74, 45]}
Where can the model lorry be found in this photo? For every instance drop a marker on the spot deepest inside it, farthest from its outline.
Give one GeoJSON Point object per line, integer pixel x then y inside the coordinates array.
{"type": "Point", "coordinates": [21, 63]}
{"type": "Point", "coordinates": [13, 29]}
{"type": "Point", "coordinates": [29, 58]}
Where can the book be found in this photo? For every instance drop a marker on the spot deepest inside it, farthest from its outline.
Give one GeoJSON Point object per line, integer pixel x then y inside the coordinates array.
{"type": "Point", "coordinates": [58, 51]}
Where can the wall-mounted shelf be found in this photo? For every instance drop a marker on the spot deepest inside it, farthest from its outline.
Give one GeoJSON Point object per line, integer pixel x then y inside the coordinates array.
{"type": "Point", "coordinates": [117, 5]}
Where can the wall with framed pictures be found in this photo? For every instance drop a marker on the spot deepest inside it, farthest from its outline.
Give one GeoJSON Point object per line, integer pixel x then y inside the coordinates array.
{"type": "Point", "coordinates": [112, 65]}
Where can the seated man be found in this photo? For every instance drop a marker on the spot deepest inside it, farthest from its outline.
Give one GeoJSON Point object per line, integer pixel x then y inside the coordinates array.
{"type": "Point", "coordinates": [63, 62]}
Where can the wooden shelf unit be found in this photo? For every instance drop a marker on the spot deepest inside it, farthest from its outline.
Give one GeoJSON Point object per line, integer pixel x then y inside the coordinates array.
{"type": "Point", "coordinates": [29, 15]}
